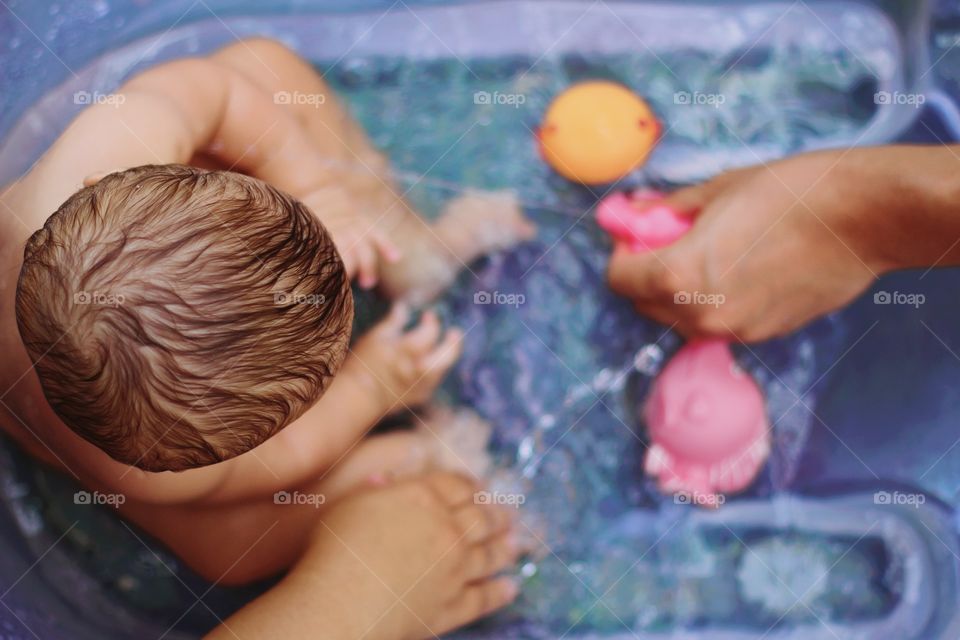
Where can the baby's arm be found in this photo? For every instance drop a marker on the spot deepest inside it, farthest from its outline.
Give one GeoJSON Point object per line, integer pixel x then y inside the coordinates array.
{"type": "Point", "coordinates": [167, 115]}
{"type": "Point", "coordinates": [184, 109]}
{"type": "Point", "coordinates": [388, 369]}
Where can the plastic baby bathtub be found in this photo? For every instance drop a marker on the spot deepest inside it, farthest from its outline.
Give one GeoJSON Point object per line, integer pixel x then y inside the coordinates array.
{"type": "Point", "coordinates": [851, 531]}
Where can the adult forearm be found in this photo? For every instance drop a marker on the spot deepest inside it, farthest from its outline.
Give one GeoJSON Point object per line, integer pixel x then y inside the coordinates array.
{"type": "Point", "coordinates": [909, 204]}
{"type": "Point", "coordinates": [294, 609]}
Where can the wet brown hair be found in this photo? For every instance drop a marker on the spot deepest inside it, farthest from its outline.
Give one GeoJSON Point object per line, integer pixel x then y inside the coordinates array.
{"type": "Point", "coordinates": [178, 317]}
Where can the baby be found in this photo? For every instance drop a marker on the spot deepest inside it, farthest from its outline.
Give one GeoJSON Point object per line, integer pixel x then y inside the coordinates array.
{"type": "Point", "coordinates": [178, 331]}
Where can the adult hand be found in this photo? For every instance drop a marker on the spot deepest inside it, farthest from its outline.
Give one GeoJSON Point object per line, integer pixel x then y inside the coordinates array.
{"type": "Point", "coordinates": [410, 561]}
{"type": "Point", "coordinates": [777, 245]}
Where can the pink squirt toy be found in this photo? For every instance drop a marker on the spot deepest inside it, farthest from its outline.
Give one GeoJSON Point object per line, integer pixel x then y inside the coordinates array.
{"type": "Point", "coordinates": [708, 426]}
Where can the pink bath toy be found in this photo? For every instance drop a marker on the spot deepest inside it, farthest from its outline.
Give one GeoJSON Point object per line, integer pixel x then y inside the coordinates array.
{"type": "Point", "coordinates": [658, 226]}
{"type": "Point", "coordinates": [708, 427]}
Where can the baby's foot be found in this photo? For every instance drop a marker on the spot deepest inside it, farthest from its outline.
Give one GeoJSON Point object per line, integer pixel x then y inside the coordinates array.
{"type": "Point", "coordinates": [471, 225]}
{"type": "Point", "coordinates": [457, 440]}
{"type": "Point", "coordinates": [481, 222]}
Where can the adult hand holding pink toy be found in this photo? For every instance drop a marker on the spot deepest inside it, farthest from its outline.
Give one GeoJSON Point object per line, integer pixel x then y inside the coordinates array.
{"type": "Point", "coordinates": [783, 243]}
{"type": "Point", "coordinates": [706, 417]}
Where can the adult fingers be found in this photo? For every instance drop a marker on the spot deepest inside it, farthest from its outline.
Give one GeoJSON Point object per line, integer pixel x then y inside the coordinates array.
{"type": "Point", "coordinates": [491, 557]}
{"type": "Point", "coordinates": [688, 319]}
{"type": "Point", "coordinates": [478, 522]}
{"type": "Point", "coordinates": [453, 489]}
{"type": "Point", "coordinates": [479, 600]}
{"type": "Point", "coordinates": [647, 275]}
{"type": "Point", "coordinates": [640, 276]}
{"type": "Point", "coordinates": [687, 200]}
{"type": "Point", "coordinates": [690, 200]}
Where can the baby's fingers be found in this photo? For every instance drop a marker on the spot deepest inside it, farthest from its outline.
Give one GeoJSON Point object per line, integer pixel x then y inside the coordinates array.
{"type": "Point", "coordinates": [395, 321]}
{"type": "Point", "coordinates": [444, 355]}
{"type": "Point", "coordinates": [386, 247]}
{"type": "Point", "coordinates": [366, 260]}
{"type": "Point", "coordinates": [424, 335]}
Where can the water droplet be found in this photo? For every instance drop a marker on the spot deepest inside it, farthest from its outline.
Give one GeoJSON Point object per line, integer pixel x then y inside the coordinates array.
{"type": "Point", "coordinates": [648, 360]}
{"type": "Point", "coordinates": [525, 450]}
{"type": "Point", "coordinates": [547, 422]}
{"type": "Point", "coordinates": [604, 380]}
{"type": "Point", "coordinates": [576, 394]}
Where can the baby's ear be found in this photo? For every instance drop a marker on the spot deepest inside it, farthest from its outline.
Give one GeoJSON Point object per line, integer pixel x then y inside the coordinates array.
{"type": "Point", "coordinates": [94, 178]}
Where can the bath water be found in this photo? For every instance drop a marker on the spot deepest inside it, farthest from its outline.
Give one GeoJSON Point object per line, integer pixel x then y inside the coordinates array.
{"type": "Point", "coordinates": [562, 371]}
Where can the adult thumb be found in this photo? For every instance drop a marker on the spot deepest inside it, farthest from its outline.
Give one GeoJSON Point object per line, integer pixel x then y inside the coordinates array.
{"type": "Point", "coordinates": [639, 276]}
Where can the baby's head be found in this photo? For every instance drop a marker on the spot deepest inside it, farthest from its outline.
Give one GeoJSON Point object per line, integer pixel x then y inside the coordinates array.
{"type": "Point", "coordinates": [178, 317]}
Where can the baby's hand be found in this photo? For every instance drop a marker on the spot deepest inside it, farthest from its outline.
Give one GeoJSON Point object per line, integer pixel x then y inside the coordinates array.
{"type": "Point", "coordinates": [405, 367]}
{"type": "Point", "coordinates": [363, 249]}
{"type": "Point", "coordinates": [362, 246]}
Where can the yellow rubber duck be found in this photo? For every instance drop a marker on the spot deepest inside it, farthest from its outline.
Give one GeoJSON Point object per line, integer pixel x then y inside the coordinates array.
{"type": "Point", "coordinates": [596, 132]}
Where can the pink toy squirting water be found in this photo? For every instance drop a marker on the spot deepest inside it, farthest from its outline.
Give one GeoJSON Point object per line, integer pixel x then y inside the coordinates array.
{"type": "Point", "coordinates": [708, 426]}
